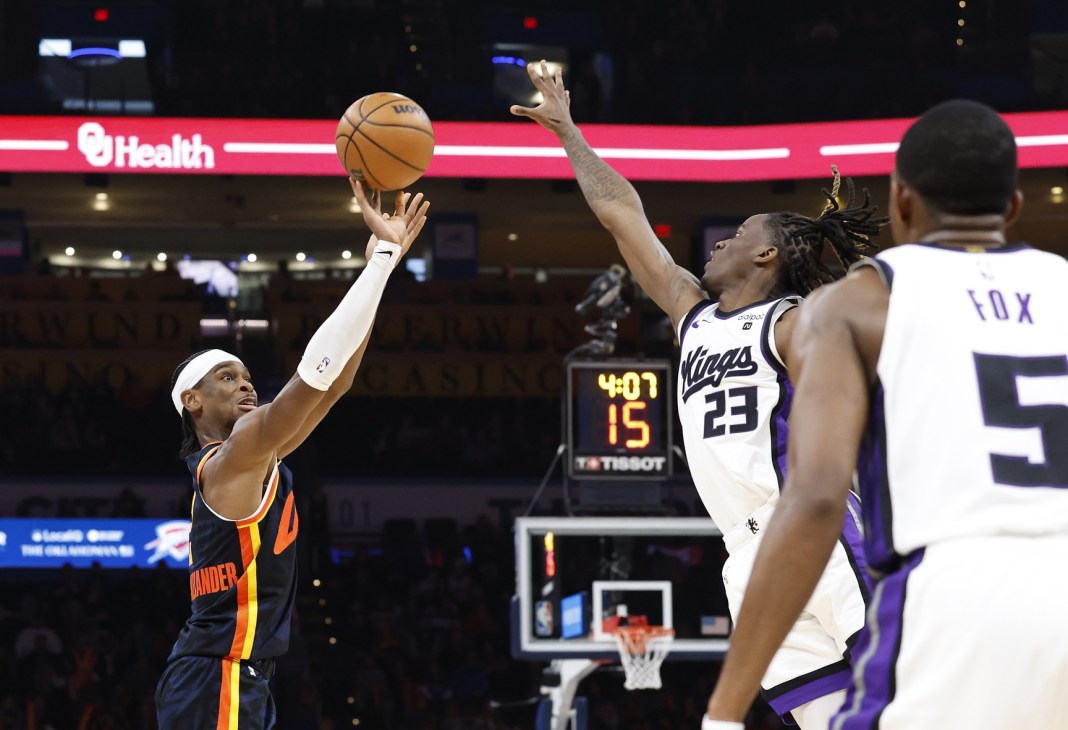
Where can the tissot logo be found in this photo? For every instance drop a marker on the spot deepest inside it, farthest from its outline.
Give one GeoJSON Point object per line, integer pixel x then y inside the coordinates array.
{"type": "Point", "coordinates": [644, 464]}
{"type": "Point", "coordinates": [701, 368]}
{"type": "Point", "coordinates": [102, 150]}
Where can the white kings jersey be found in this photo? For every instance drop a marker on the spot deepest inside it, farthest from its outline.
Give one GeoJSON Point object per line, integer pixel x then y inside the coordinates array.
{"type": "Point", "coordinates": [968, 434]}
{"type": "Point", "coordinates": [733, 400]}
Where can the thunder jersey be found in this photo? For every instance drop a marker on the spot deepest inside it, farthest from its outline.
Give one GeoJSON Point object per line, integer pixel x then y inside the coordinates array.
{"type": "Point", "coordinates": [734, 399]}
{"type": "Point", "coordinates": [242, 573]}
{"type": "Point", "coordinates": [968, 433]}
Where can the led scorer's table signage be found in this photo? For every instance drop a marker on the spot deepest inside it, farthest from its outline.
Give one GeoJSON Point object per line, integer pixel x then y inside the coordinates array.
{"type": "Point", "coordinates": [52, 543]}
{"type": "Point", "coordinates": [517, 150]}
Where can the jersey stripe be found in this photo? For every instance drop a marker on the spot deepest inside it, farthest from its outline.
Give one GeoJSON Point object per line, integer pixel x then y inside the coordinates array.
{"type": "Point", "coordinates": [229, 696]}
{"type": "Point", "coordinates": [204, 460]}
{"type": "Point", "coordinates": [253, 592]}
{"type": "Point", "coordinates": [192, 516]}
{"type": "Point", "coordinates": [247, 599]}
{"type": "Point", "coordinates": [876, 506]}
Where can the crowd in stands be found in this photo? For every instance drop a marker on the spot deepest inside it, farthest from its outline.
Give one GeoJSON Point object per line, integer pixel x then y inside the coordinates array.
{"type": "Point", "coordinates": [98, 430]}
{"type": "Point", "coordinates": [113, 416]}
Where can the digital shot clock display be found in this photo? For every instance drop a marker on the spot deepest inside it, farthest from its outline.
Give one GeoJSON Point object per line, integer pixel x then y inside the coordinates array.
{"type": "Point", "coordinates": [618, 419]}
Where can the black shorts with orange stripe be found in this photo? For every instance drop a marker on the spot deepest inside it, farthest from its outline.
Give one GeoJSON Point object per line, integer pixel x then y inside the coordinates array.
{"type": "Point", "coordinates": [209, 693]}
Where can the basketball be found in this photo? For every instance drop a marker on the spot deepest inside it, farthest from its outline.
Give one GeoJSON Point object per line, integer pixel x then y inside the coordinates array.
{"type": "Point", "coordinates": [386, 140]}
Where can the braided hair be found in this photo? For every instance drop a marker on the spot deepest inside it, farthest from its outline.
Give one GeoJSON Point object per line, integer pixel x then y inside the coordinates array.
{"type": "Point", "coordinates": [800, 239]}
{"type": "Point", "coordinates": [190, 440]}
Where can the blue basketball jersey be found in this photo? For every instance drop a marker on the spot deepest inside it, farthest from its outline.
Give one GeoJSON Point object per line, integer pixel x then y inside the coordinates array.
{"type": "Point", "coordinates": [242, 573]}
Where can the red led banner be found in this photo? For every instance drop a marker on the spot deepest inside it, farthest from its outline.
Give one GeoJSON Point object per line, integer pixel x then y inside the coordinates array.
{"type": "Point", "coordinates": [516, 150]}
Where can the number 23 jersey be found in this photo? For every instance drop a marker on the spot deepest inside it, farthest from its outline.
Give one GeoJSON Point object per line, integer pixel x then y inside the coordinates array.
{"type": "Point", "coordinates": [734, 400]}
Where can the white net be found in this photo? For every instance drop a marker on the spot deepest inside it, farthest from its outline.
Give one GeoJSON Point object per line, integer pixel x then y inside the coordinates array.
{"type": "Point", "coordinates": [642, 650]}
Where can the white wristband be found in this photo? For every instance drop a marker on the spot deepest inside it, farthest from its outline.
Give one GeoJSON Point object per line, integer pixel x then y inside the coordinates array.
{"type": "Point", "coordinates": [330, 348]}
{"type": "Point", "coordinates": [709, 724]}
{"type": "Point", "coordinates": [387, 251]}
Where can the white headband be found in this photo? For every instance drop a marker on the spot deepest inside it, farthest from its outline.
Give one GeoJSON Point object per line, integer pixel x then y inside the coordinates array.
{"type": "Point", "coordinates": [194, 372]}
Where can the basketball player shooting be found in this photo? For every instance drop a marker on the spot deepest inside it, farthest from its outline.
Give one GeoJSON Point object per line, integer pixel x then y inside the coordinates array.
{"type": "Point", "coordinates": [242, 572]}
{"type": "Point", "coordinates": [944, 364]}
{"type": "Point", "coordinates": [735, 326]}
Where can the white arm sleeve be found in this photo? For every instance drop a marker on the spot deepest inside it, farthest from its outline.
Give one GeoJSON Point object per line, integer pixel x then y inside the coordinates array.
{"type": "Point", "coordinates": [709, 724]}
{"type": "Point", "coordinates": [338, 337]}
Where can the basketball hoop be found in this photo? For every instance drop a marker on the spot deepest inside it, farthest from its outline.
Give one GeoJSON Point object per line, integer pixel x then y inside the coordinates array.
{"type": "Point", "coordinates": [642, 649]}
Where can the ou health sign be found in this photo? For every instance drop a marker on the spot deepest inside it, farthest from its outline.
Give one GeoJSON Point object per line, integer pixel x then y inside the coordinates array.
{"type": "Point", "coordinates": [517, 150]}
{"type": "Point", "coordinates": [81, 543]}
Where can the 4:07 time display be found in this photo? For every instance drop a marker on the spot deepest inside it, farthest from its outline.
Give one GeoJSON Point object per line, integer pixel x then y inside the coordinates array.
{"type": "Point", "coordinates": [619, 418]}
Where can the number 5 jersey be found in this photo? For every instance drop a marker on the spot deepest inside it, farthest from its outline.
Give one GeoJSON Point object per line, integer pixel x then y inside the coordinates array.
{"type": "Point", "coordinates": [968, 433]}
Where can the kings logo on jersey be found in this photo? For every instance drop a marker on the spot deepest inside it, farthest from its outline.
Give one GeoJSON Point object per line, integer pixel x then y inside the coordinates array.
{"type": "Point", "coordinates": [701, 368]}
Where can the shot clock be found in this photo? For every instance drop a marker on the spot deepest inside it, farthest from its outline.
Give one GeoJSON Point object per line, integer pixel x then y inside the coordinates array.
{"type": "Point", "coordinates": [618, 419]}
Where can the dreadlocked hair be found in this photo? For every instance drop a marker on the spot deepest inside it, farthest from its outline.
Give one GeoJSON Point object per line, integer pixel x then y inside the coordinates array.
{"type": "Point", "coordinates": [190, 441]}
{"type": "Point", "coordinates": [801, 239]}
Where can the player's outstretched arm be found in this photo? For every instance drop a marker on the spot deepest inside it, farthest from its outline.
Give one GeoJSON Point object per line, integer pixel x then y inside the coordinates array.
{"type": "Point", "coordinates": [404, 205]}
{"type": "Point", "coordinates": [614, 201]}
{"type": "Point", "coordinates": [826, 424]}
{"type": "Point", "coordinates": [329, 363]}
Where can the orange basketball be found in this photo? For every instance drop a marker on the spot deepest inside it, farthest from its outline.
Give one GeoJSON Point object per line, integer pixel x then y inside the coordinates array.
{"type": "Point", "coordinates": [385, 139]}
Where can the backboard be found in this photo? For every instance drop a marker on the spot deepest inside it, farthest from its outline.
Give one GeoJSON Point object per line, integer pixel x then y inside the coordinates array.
{"type": "Point", "coordinates": [574, 573]}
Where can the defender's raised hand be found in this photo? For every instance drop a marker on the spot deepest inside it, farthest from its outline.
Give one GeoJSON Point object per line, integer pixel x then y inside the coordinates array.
{"type": "Point", "coordinates": [554, 112]}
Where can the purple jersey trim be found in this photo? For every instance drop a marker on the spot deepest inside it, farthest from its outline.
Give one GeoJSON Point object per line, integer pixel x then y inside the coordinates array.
{"type": "Point", "coordinates": [876, 652]}
{"type": "Point", "coordinates": [780, 429]}
{"type": "Point", "coordinates": [852, 539]}
{"type": "Point", "coordinates": [780, 415]}
{"type": "Point", "coordinates": [807, 688]}
{"type": "Point", "coordinates": [876, 508]}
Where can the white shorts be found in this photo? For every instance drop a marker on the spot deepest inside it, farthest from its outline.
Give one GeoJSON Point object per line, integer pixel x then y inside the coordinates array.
{"type": "Point", "coordinates": [813, 661]}
{"type": "Point", "coordinates": [969, 633]}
